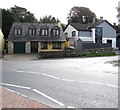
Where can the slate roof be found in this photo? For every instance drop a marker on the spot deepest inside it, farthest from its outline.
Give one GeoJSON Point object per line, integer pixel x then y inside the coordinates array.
{"type": "Point", "coordinates": [93, 25]}
{"type": "Point", "coordinates": [24, 37]}
{"type": "Point", "coordinates": [80, 27]}
{"type": "Point", "coordinates": [87, 27]}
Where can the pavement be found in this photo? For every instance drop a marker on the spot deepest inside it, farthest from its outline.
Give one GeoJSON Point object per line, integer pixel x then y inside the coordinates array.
{"type": "Point", "coordinates": [11, 99]}
{"type": "Point", "coordinates": [20, 56]}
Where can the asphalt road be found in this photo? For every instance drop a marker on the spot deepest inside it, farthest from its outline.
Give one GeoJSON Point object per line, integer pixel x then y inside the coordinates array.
{"type": "Point", "coordinates": [65, 83]}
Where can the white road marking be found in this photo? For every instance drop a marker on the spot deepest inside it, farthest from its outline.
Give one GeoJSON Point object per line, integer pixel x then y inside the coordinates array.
{"type": "Point", "coordinates": [112, 85]}
{"type": "Point", "coordinates": [48, 97]}
{"type": "Point", "coordinates": [50, 76]}
{"type": "Point", "coordinates": [68, 80]}
{"type": "Point", "coordinates": [23, 87]}
{"type": "Point", "coordinates": [35, 90]}
{"type": "Point", "coordinates": [70, 107]}
{"type": "Point", "coordinates": [22, 94]}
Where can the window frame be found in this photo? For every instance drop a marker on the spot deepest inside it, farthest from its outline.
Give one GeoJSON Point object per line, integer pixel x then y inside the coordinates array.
{"type": "Point", "coordinates": [44, 32]}
{"type": "Point", "coordinates": [55, 31]}
{"type": "Point", "coordinates": [32, 31]}
{"type": "Point", "coordinates": [73, 33]}
{"type": "Point", "coordinates": [17, 31]}
{"type": "Point", "coordinates": [56, 45]}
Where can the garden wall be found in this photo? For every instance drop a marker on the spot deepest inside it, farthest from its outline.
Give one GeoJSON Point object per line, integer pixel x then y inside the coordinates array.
{"type": "Point", "coordinates": [73, 53]}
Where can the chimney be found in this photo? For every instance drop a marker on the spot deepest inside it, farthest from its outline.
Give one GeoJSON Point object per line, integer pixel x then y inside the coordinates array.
{"type": "Point", "coordinates": [101, 18]}
{"type": "Point", "coordinates": [114, 24]}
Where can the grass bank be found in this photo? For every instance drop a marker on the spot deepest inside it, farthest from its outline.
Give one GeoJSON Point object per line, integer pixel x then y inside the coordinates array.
{"type": "Point", "coordinates": [99, 54]}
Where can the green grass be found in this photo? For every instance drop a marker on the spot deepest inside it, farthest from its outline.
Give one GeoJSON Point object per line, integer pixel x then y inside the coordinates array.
{"type": "Point", "coordinates": [99, 54]}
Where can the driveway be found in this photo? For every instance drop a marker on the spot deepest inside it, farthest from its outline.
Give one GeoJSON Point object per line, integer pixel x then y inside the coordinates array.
{"type": "Point", "coordinates": [65, 83]}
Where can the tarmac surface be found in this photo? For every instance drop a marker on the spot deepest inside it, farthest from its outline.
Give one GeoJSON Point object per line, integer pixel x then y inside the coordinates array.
{"type": "Point", "coordinates": [100, 81]}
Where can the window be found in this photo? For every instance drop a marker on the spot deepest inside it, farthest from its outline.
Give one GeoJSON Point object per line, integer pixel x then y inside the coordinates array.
{"type": "Point", "coordinates": [32, 31]}
{"type": "Point", "coordinates": [66, 34]}
{"type": "Point", "coordinates": [109, 41]}
{"type": "Point", "coordinates": [43, 45]}
{"type": "Point", "coordinates": [98, 34]}
{"type": "Point", "coordinates": [55, 32]}
{"type": "Point", "coordinates": [17, 31]}
{"type": "Point", "coordinates": [73, 33]}
{"type": "Point", "coordinates": [56, 45]}
{"type": "Point", "coordinates": [44, 32]}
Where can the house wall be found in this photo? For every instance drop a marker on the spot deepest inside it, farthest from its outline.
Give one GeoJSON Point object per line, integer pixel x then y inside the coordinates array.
{"type": "Point", "coordinates": [93, 35]}
{"type": "Point", "coordinates": [104, 40]}
{"type": "Point", "coordinates": [69, 30]}
{"type": "Point", "coordinates": [27, 47]}
{"type": "Point", "coordinates": [49, 44]}
{"type": "Point", "coordinates": [84, 33]}
{"type": "Point", "coordinates": [10, 47]}
{"type": "Point", "coordinates": [86, 39]}
{"type": "Point", "coordinates": [73, 40]}
{"type": "Point", "coordinates": [1, 41]}
{"type": "Point", "coordinates": [108, 31]}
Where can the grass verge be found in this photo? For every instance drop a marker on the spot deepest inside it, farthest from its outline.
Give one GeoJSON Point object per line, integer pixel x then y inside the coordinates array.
{"type": "Point", "coordinates": [99, 54]}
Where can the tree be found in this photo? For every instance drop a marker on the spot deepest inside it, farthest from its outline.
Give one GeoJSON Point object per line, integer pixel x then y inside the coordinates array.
{"type": "Point", "coordinates": [15, 14]}
{"type": "Point", "coordinates": [48, 19]}
{"type": "Point", "coordinates": [7, 21]}
{"type": "Point", "coordinates": [81, 15]}
{"type": "Point", "coordinates": [22, 14]}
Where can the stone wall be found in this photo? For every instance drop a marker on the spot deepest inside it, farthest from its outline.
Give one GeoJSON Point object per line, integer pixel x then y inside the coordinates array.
{"type": "Point", "coordinates": [27, 47]}
{"type": "Point", "coordinates": [10, 47]}
{"type": "Point", "coordinates": [39, 46]}
{"type": "Point", "coordinates": [73, 53]}
{"type": "Point", "coordinates": [63, 45]}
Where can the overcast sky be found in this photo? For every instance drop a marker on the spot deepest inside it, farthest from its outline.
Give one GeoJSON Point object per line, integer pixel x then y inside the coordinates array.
{"type": "Point", "coordinates": [61, 8]}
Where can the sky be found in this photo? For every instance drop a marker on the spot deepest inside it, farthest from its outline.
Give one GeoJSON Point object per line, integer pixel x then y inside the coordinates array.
{"type": "Point", "coordinates": [60, 8]}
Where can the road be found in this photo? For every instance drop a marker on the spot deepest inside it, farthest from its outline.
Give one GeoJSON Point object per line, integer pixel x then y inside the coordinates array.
{"type": "Point", "coordinates": [66, 82]}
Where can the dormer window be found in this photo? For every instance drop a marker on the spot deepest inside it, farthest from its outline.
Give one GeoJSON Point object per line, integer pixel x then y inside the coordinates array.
{"type": "Point", "coordinates": [17, 31]}
{"type": "Point", "coordinates": [31, 31]}
{"type": "Point", "coordinates": [55, 31]}
{"type": "Point", "coordinates": [44, 31]}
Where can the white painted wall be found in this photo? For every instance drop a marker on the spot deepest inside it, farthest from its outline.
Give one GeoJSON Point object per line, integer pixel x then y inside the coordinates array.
{"type": "Point", "coordinates": [104, 40]}
{"type": "Point", "coordinates": [87, 39]}
{"type": "Point", "coordinates": [93, 34]}
{"type": "Point", "coordinates": [69, 30]}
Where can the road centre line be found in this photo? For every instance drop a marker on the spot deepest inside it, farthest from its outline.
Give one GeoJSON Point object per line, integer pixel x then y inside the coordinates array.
{"type": "Point", "coordinates": [68, 80]}
{"type": "Point", "coordinates": [50, 76]}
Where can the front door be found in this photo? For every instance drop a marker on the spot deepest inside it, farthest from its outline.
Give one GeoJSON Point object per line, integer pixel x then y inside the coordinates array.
{"type": "Point", "coordinates": [34, 47]}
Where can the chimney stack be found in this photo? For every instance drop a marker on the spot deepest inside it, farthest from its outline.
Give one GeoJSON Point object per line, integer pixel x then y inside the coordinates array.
{"type": "Point", "coordinates": [101, 18]}
{"type": "Point", "coordinates": [114, 24]}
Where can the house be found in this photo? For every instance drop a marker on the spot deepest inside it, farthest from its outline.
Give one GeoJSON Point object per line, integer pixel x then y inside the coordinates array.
{"type": "Point", "coordinates": [118, 41]}
{"type": "Point", "coordinates": [98, 32]}
{"type": "Point", "coordinates": [35, 37]}
{"type": "Point", "coordinates": [1, 41]}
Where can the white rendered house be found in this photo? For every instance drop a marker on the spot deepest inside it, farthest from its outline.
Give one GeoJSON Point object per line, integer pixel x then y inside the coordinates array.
{"type": "Point", "coordinates": [99, 32]}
